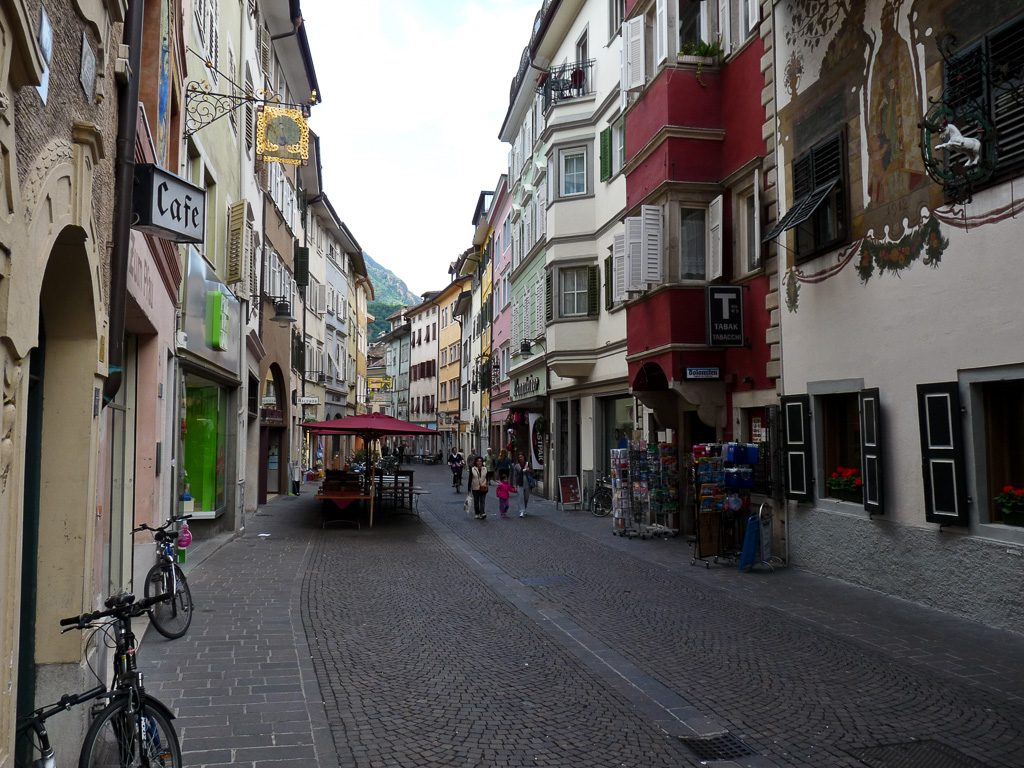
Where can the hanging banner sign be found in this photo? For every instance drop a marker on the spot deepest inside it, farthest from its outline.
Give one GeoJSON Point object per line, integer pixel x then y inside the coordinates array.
{"type": "Point", "coordinates": [282, 135]}
{"type": "Point", "coordinates": [380, 383]}
{"type": "Point", "coordinates": [536, 442]}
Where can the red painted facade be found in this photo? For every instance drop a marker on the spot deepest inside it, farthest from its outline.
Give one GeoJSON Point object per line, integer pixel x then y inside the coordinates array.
{"type": "Point", "coordinates": [696, 128]}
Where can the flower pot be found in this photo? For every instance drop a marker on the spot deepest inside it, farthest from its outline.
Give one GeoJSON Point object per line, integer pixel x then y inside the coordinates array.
{"type": "Point", "coordinates": [1012, 516]}
{"type": "Point", "coordinates": [855, 496]}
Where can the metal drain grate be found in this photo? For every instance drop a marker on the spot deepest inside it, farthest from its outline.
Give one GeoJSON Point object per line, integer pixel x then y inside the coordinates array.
{"type": "Point", "coordinates": [547, 581]}
{"type": "Point", "coordinates": [915, 754]}
{"type": "Point", "coordinates": [722, 747]}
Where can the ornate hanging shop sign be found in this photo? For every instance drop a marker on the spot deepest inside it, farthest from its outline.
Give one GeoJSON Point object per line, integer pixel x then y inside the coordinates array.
{"type": "Point", "coordinates": [957, 136]}
{"type": "Point", "coordinates": [282, 135]}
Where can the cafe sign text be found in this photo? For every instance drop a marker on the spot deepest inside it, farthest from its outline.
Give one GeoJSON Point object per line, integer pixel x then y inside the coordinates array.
{"type": "Point", "coordinates": [167, 206]}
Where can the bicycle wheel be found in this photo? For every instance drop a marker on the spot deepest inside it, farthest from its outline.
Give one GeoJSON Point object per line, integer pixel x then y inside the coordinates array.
{"type": "Point", "coordinates": [601, 505]}
{"type": "Point", "coordinates": [171, 618]}
{"type": "Point", "coordinates": [113, 738]}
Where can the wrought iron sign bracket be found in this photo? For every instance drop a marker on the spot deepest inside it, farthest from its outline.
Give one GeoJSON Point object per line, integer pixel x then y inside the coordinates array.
{"type": "Point", "coordinates": [204, 106]}
{"type": "Point", "coordinates": [958, 139]}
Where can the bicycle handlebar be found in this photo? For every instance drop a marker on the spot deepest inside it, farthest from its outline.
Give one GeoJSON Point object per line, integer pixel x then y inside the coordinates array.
{"type": "Point", "coordinates": [123, 606]}
{"type": "Point", "coordinates": [165, 526]}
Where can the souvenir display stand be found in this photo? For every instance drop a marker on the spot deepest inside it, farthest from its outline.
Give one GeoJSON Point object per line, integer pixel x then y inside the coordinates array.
{"type": "Point", "coordinates": [642, 503]}
{"type": "Point", "coordinates": [721, 476]}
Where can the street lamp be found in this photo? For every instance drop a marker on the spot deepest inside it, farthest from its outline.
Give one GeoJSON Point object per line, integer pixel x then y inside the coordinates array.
{"type": "Point", "coordinates": [282, 310]}
{"type": "Point", "coordinates": [526, 346]}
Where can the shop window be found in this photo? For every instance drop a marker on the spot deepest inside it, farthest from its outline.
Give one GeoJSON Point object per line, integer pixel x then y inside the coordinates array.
{"type": "Point", "coordinates": [205, 443]}
{"type": "Point", "coordinates": [1003, 403]}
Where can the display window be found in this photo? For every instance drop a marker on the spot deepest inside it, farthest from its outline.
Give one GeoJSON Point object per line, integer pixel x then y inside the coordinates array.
{"type": "Point", "coordinates": [204, 444]}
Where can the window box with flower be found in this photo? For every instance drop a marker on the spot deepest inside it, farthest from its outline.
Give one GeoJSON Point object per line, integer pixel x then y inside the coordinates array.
{"type": "Point", "coordinates": [846, 484]}
{"type": "Point", "coordinates": [1010, 503]}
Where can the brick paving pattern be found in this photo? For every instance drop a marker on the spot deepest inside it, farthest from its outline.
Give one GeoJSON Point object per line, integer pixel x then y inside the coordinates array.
{"type": "Point", "coordinates": [546, 641]}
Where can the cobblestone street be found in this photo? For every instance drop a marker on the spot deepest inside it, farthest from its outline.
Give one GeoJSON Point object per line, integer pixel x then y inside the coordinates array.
{"type": "Point", "coordinates": [546, 641]}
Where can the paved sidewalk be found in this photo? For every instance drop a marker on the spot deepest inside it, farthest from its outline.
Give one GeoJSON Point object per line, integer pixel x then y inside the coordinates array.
{"type": "Point", "coordinates": [547, 641]}
{"type": "Point", "coordinates": [241, 681]}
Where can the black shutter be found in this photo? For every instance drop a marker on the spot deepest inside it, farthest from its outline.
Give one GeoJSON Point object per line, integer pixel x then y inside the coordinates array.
{"type": "Point", "coordinates": [548, 313]}
{"type": "Point", "coordinates": [608, 296]}
{"type": "Point", "coordinates": [606, 154]}
{"type": "Point", "coordinates": [796, 443]}
{"type": "Point", "coordinates": [871, 453]}
{"type": "Point", "coordinates": [942, 454]}
{"type": "Point", "coordinates": [593, 291]}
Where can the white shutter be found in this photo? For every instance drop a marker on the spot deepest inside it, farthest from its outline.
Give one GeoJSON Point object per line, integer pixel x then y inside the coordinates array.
{"type": "Point", "coordinates": [634, 253]}
{"type": "Point", "coordinates": [618, 268]}
{"type": "Point", "coordinates": [714, 263]}
{"type": "Point", "coordinates": [252, 249]}
{"type": "Point", "coordinates": [542, 211]}
{"type": "Point", "coordinates": [634, 42]}
{"type": "Point", "coordinates": [725, 24]}
{"type": "Point", "coordinates": [660, 32]}
{"type": "Point", "coordinates": [651, 234]}
{"type": "Point", "coordinates": [756, 224]}
{"type": "Point", "coordinates": [623, 91]}
{"type": "Point", "coordinates": [321, 299]}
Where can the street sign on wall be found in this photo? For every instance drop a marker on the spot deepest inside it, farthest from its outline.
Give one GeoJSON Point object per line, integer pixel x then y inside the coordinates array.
{"type": "Point", "coordinates": [724, 305]}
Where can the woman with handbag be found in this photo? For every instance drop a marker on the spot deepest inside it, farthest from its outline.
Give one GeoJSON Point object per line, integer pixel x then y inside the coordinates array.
{"type": "Point", "coordinates": [478, 484]}
{"type": "Point", "coordinates": [522, 477]}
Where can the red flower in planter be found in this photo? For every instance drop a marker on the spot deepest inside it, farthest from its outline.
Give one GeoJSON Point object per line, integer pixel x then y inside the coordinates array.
{"type": "Point", "coordinates": [844, 479]}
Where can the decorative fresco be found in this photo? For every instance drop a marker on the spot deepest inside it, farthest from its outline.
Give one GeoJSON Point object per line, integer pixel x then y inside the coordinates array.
{"type": "Point", "coordinates": [875, 67]}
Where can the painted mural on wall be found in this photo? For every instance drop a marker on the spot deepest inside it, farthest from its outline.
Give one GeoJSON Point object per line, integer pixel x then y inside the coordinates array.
{"type": "Point", "coordinates": [875, 67]}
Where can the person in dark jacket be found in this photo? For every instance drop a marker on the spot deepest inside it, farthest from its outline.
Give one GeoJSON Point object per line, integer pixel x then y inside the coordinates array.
{"type": "Point", "coordinates": [522, 477]}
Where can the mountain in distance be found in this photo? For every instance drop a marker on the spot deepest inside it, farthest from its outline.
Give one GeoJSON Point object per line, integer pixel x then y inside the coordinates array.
{"type": "Point", "coordinates": [390, 293]}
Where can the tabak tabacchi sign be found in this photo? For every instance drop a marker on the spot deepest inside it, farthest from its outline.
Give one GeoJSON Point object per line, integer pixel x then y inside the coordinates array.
{"type": "Point", "coordinates": [282, 135]}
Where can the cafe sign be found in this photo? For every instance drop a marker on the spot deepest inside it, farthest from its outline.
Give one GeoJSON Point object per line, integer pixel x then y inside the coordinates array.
{"type": "Point", "coordinates": [167, 206]}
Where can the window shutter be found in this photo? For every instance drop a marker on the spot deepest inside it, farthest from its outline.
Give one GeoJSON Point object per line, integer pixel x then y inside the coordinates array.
{"type": "Point", "coordinates": [593, 291]}
{"type": "Point", "coordinates": [714, 267]}
{"type": "Point", "coordinates": [756, 255]}
{"type": "Point", "coordinates": [265, 50]}
{"type": "Point", "coordinates": [634, 253]}
{"type": "Point", "coordinates": [871, 456]}
{"type": "Point", "coordinates": [606, 154]}
{"type": "Point", "coordinates": [236, 242]}
{"type": "Point", "coordinates": [608, 302]}
{"type": "Point", "coordinates": [660, 31]}
{"type": "Point", "coordinates": [725, 25]}
{"type": "Point", "coordinates": [251, 255]}
{"type": "Point", "coordinates": [618, 268]}
{"type": "Point", "coordinates": [321, 299]}
{"type": "Point", "coordinates": [623, 91]}
{"type": "Point", "coordinates": [548, 309]}
{"type": "Point", "coordinates": [942, 454]}
{"type": "Point", "coordinates": [538, 304]}
{"type": "Point", "coordinates": [634, 43]}
{"type": "Point", "coordinates": [796, 445]}
{"type": "Point", "coordinates": [650, 216]}
{"type": "Point", "coordinates": [542, 211]}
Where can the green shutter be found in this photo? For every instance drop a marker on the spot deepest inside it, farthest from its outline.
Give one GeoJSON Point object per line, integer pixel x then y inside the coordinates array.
{"type": "Point", "coordinates": [606, 154]}
{"type": "Point", "coordinates": [608, 302]}
{"type": "Point", "coordinates": [548, 308]}
{"type": "Point", "coordinates": [593, 291]}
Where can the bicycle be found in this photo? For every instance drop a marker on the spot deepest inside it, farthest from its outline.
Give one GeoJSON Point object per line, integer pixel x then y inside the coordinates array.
{"type": "Point", "coordinates": [173, 617]}
{"type": "Point", "coordinates": [133, 729]}
{"type": "Point", "coordinates": [599, 500]}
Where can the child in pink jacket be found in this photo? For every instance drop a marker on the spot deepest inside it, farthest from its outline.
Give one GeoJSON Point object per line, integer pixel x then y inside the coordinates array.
{"type": "Point", "coordinates": [503, 491]}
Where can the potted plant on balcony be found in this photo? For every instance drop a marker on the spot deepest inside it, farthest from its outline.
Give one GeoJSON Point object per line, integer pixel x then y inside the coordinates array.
{"type": "Point", "coordinates": [846, 484]}
{"type": "Point", "coordinates": [1010, 502]}
{"type": "Point", "coordinates": [701, 53]}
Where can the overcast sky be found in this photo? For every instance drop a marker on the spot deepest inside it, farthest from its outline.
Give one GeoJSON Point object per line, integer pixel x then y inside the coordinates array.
{"type": "Point", "coordinates": [414, 94]}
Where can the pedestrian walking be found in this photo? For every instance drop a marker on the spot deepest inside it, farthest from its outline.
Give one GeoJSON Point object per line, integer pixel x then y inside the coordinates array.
{"type": "Point", "coordinates": [522, 477]}
{"type": "Point", "coordinates": [489, 464]}
{"type": "Point", "coordinates": [503, 491]}
{"type": "Point", "coordinates": [456, 462]}
{"type": "Point", "coordinates": [401, 453]}
{"type": "Point", "coordinates": [479, 484]}
{"type": "Point", "coordinates": [504, 463]}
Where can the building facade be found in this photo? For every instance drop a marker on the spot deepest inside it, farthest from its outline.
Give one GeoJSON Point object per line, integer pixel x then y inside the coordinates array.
{"type": "Point", "coordinates": [884, 222]}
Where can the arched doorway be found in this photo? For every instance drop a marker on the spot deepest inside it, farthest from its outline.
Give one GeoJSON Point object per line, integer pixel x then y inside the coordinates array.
{"type": "Point", "coordinates": [273, 470]}
{"type": "Point", "coordinates": [65, 542]}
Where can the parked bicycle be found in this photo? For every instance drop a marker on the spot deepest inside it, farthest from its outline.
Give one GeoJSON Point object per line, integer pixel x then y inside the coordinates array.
{"type": "Point", "coordinates": [172, 617]}
{"type": "Point", "coordinates": [599, 499]}
{"type": "Point", "coordinates": [133, 729]}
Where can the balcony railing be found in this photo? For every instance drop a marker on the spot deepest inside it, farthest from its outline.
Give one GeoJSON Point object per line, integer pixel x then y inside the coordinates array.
{"type": "Point", "coordinates": [569, 81]}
